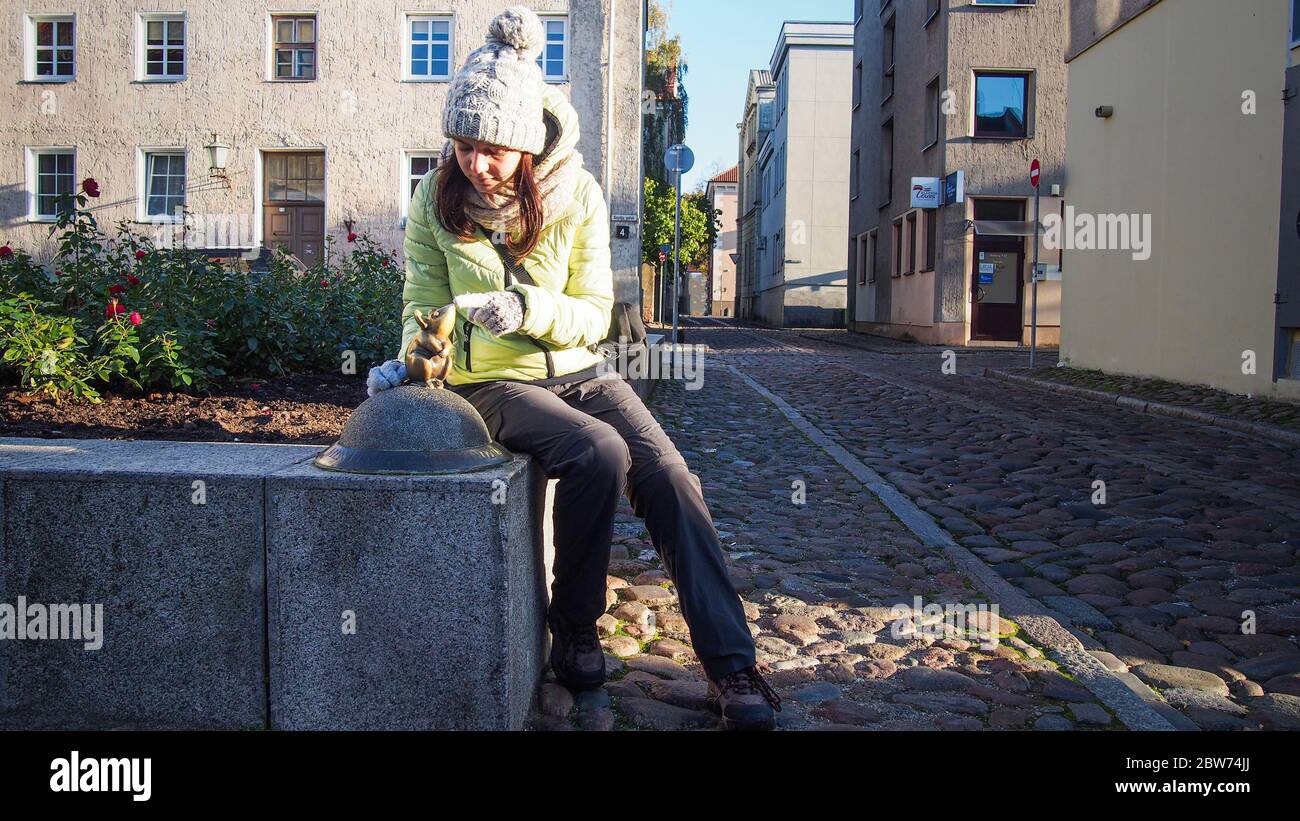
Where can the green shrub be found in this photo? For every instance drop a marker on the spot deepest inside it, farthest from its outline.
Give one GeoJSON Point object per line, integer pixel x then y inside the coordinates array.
{"type": "Point", "coordinates": [121, 312]}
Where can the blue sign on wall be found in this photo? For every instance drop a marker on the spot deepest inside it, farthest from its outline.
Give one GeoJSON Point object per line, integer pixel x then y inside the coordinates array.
{"type": "Point", "coordinates": [986, 279]}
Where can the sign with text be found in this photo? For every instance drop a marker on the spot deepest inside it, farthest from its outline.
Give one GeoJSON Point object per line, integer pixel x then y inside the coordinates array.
{"type": "Point", "coordinates": [954, 188]}
{"type": "Point", "coordinates": [925, 192]}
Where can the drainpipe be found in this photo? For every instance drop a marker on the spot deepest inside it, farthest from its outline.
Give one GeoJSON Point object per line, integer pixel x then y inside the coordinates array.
{"type": "Point", "coordinates": [609, 105]}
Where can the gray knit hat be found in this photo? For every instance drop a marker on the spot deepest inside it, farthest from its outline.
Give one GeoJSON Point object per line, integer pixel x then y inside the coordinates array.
{"type": "Point", "coordinates": [496, 96]}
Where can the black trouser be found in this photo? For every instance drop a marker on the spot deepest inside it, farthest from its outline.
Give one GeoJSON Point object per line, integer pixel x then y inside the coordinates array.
{"type": "Point", "coordinates": [596, 436]}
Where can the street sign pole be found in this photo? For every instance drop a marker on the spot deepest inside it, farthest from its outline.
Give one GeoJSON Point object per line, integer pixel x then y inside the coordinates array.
{"type": "Point", "coordinates": [677, 264]}
{"type": "Point", "coordinates": [678, 159]}
{"type": "Point", "coordinates": [1035, 172]}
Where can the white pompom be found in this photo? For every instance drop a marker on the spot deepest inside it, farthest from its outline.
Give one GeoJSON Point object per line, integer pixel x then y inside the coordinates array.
{"type": "Point", "coordinates": [520, 28]}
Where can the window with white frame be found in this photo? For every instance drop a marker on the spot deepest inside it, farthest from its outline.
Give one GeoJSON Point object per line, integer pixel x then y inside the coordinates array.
{"type": "Point", "coordinates": [162, 47]}
{"type": "Point", "coordinates": [428, 48]}
{"type": "Point", "coordinates": [294, 47]}
{"type": "Point", "coordinates": [164, 184]}
{"type": "Point", "coordinates": [416, 165]}
{"type": "Point", "coordinates": [554, 59]}
{"type": "Point", "coordinates": [50, 173]}
{"type": "Point", "coordinates": [51, 47]}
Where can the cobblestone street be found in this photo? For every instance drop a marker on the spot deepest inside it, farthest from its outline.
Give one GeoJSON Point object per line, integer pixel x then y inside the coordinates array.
{"type": "Point", "coordinates": [1195, 532]}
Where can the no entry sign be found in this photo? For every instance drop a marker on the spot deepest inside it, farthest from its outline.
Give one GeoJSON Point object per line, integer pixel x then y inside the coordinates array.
{"type": "Point", "coordinates": [1035, 173]}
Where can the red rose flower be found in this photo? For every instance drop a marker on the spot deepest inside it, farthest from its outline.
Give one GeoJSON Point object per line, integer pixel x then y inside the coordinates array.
{"type": "Point", "coordinates": [116, 288]}
{"type": "Point", "coordinates": [114, 308]}
{"type": "Point", "coordinates": [136, 319]}
{"type": "Point", "coordinates": [352, 236]}
{"type": "Point", "coordinates": [6, 252]}
{"type": "Point", "coordinates": [133, 279]}
{"type": "Point", "coordinates": [90, 187]}
{"type": "Point", "coordinates": [324, 283]}
{"type": "Point", "coordinates": [140, 254]}
{"type": "Point", "coordinates": [58, 273]}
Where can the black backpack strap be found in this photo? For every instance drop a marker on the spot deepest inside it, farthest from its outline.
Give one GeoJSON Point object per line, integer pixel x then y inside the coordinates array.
{"type": "Point", "coordinates": [512, 265]}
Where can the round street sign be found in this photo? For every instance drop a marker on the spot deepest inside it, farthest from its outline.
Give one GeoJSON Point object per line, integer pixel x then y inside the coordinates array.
{"type": "Point", "coordinates": [679, 158]}
{"type": "Point", "coordinates": [1035, 173]}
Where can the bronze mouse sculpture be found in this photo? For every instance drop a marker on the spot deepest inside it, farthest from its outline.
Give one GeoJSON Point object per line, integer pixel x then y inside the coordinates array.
{"type": "Point", "coordinates": [429, 355]}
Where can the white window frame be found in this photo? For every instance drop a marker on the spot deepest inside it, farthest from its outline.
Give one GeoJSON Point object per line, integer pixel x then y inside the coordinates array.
{"type": "Point", "coordinates": [29, 50]}
{"type": "Point", "coordinates": [553, 18]}
{"type": "Point", "coordinates": [450, 20]}
{"type": "Point", "coordinates": [32, 154]}
{"type": "Point", "coordinates": [142, 21]}
{"type": "Point", "coordinates": [142, 183]}
{"type": "Point", "coordinates": [405, 176]}
{"type": "Point", "coordinates": [270, 44]}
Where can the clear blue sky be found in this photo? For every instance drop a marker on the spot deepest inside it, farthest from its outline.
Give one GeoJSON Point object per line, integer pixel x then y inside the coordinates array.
{"type": "Point", "coordinates": [721, 42]}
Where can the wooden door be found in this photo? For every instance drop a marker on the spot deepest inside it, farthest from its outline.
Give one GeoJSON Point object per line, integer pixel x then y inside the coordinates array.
{"type": "Point", "coordinates": [293, 203]}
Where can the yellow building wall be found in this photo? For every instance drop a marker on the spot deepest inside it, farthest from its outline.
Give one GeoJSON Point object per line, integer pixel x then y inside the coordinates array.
{"type": "Point", "coordinates": [1181, 148]}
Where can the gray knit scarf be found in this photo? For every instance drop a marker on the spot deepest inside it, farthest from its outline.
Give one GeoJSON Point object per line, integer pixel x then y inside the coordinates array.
{"type": "Point", "coordinates": [556, 176]}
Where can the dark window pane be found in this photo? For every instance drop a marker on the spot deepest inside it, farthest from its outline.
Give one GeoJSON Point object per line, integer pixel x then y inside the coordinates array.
{"type": "Point", "coordinates": [65, 33]}
{"type": "Point", "coordinates": [45, 163]}
{"type": "Point", "coordinates": [316, 190]}
{"type": "Point", "coordinates": [44, 34]}
{"type": "Point", "coordinates": [176, 33]}
{"type": "Point", "coordinates": [315, 167]}
{"type": "Point", "coordinates": [1000, 105]}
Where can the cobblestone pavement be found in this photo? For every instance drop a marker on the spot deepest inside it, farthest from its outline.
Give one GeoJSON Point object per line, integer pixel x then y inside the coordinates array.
{"type": "Point", "coordinates": [1185, 571]}
{"type": "Point", "coordinates": [821, 563]}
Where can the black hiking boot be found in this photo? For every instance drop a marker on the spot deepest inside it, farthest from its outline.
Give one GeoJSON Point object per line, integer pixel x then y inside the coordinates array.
{"type": "Point", "coordinates": [744, 700]}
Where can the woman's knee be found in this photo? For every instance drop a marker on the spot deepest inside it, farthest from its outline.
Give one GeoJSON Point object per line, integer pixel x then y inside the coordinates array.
{"type": "Point", "coordinates": [601, 448]}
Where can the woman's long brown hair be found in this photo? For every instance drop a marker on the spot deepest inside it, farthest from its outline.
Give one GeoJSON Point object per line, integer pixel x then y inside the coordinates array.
{"type": "Point", "coordinates": [453, 186]}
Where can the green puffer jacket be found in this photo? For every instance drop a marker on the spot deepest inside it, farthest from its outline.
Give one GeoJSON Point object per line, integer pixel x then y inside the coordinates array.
{"type": "Point", "coordinates": [568, 309]}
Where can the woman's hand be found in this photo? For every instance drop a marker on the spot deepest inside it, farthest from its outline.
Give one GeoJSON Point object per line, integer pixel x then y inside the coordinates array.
{"type": "Point", "coordinates": [385, 376]}
{"type": "Point", "coordinates": [499, 312]}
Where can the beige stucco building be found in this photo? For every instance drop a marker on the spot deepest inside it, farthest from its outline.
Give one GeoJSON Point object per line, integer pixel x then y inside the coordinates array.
{"type": "Point", "coordinates": [1176, 111]}
{"type": "Point", "coordinates": [948, 87]}
{"type": "Point", "coordinates": [331, 110]}
{"type": "Point", "coordinates": [721, 193]}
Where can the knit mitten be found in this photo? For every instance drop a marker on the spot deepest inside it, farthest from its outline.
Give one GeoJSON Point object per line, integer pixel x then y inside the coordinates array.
{"type": "Point", "coordinates": [499, 312]}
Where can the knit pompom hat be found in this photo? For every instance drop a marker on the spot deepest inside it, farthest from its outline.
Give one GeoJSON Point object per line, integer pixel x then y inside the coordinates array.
{"type": "Point", "coordinates": [496, 96]}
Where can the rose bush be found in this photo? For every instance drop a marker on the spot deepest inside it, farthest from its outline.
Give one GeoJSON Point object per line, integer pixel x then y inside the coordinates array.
{"type": "Point", "coordinates": [121, 313]}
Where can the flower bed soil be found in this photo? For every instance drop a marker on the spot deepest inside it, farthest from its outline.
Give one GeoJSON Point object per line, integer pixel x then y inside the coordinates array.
{"type": "Point", "coordinates": [302, 409]}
